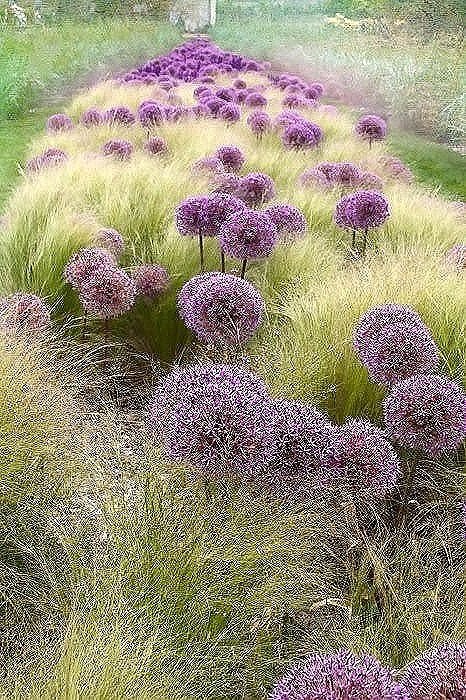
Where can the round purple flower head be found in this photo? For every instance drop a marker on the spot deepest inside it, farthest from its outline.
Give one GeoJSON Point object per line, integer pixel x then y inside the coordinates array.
{"type": "Point", "coordinates": [108, 293]}
{"type": "Point", "coordinates": [227, 183]}
{"type": "Point", "coordinates": [289, 220]}
{"type": "Point", "coordinates": [23, 312]}
{"type": "Point", "coordinates": [396, 168]}
{"type": "Point", "coordinates": [248, 235]}
{"type": "Point", "coordinates": [255, 99]}
{"type": "Point", "coordinates": [374, 322]}
{"type": "Point", "coordinates": [437, 674]}
{"type": "Point", "coordinates": [239, 84]}
{"type": "Point", "coordinates": [111, 240]}
{"type": "Point", "coordinates": [365, 462]}
{"type": "Point", "coordinates": [216, 420]}
{"type": "Point", "coordinates": [426, 413]}
{"type": "Point", "coordinates": [91, 117]}
{"type": "Point", "coordinates": [209, 165]}
{"type": "Point", "coordinates": [85, 263]}
{"type": "Point", "coordinates": [371, 128]}
{"type": "Point", "coordinates": [288, 117]}
{"type": "Point", "coordinates": [59, 122]}
{"type": "Point", "coordinates": [456, 256]}
{"type": "Point", "coordinates": [49, 158]}
{"type": "Point", "coordinates": [155, 146]}
{"type": "Point", "coordinates": [362, 210]}
{"type": "Point", "coordinates": [339, 676]}
{"type": "Point", "coordinates": [221, 309]}
{"type": "Point", "coordinates": [311, 93]}
{"type": "Point", "coordinates": [230, 112]}
{"type": "Point", "coordinates": [318, 87]}
{"type": "Point", "coordinates": [150, 113]}
{"type": "Point", "coordinates": [203, 215]}
{"type": "Point", "coordinates": [256, 189]}
{"type": "Point", "coordinates": [151, 280]}
{"type": "Point", "coordinates": [119, 115]}
{"type": "Point", "coordinates": [301, 134]}
{"type": "Point", "coordinates": [118, 148]}
{"type": "Point", "coordinates": [295, 101]}
{"type": "Point", "coordinates": [305, 447]}
{"type": "Point", "coordinates": [259, 122]}
{"type": "Point", "coordinates": [231, 157]}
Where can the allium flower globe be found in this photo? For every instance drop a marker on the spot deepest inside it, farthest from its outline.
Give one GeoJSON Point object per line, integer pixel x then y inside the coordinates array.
{"type": "Point", "coordinates": [339, 676]}
{"type": "Point", "coordinates": [156, 145]}
{"type": "Point", "coordinates": [150, 114]}
{"type": "Point", "coordinates": [85, 263]}
{"type": "Point", "coordinates": [49, 158]}
{"type": "Point", "coordinates": [259, 122]}
{"type": "Point", "coordinates": [362, 210]}
{"type": "Point", "coordinates": [111, 240]}
{"type": "Point", "coordinates": [255, 99]}
{"type": "Point", "coordinates": [301, 135]}
{"type": "Point", "coordinates": [437, 674]}
{"type": "Point", "coordinates": [371, 128]}
{"type": "Point", "coordinates": [91, 117]}
{"type": "Point", "coordinates": [256, 189]}
{"type": "Point", "coordinates": [289, 220]}
{"type": "Point", "coordinates": [23, 312]}
{"type": "Point", "coordinates": [375, 320]}
{"type": "Point", "coordinates": [108, 293]}
{"type": "Point", "coordinates": [59, 122]}
{"type": "Point", "coordinates": [208, 165]}
{"type": "Point", "coordinates": [119, 115]}
{"type": "Point", "coordinates": [151, 280]}
{"type": "Point", "coordinates": [248, 235]}
{"type": "Point", "coordinates": [221, 309]}
{"type": "Point", "coordinates": [231, 157]}
{"type": "Point", "coordinates": [230, 112]}
{"type": "Point", "coordinates": [118, 148]}
{"type": "Point", "coordinates": [426, 413]}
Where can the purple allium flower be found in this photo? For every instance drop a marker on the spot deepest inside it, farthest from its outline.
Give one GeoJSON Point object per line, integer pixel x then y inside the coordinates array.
{"type": "Point", "coordinates": [209, 165]}
{"type": "Point", "coordinates": [426, 413]}
{"type": "Point", "coordinates": [259, 122]}
{"type": "Point", "coordinates": [118, 148]}
{"type": "Point", "coordinates": [214, 105]}
{"type": "Point", "coordinates": [196, 216]}
{"type": "Point", "coordinates": [365, 461]}
{"type": "Point", "coordinates": [150, 113]}
{"type": "Point", "coordinates": [156, 145]}
{"type": "Point", "coordinates": [85, 263]}
{"type": "Point", "coordinates": [362, 210]}
{"type": "Point", "coordinates": [226, 94]}
{"type": "Point", "coordinates": [230, 112]}
{"type": "Point", "coordinates": [374, 322]}
{"type": "Point", "coordinates": [119, 115]}
{"type": "Point", "coordinates": [370, 180]}
{"type": "Point", "coordinates": [318, 87]}
{"type": "Point", "coordinates": [23, 312]}
{"type": "Point", "coordinates": [239, 84]}
{"type": "Point", "coordinates": [289, 220]}
{"type": "Point", "coordinates": [305, 447]}
{"type": "Point", "coordinates": [221, 309]}
{"type": "Point", "coordinates": [311, 93]}
{"type": "Point", "coordinates": [217, 419]}
{"type": "Point", "coordinates": [202, 90]}
{"type": "Point", "coordinates": [371, 128]}
{"type": "Point", "coordinates": [255, 99]}
{"type": "Point", "coordinates": [396, 168]}
{"type": "Point", "coordinates": [227, 183]}
{"type": "Point", "coordinates": [49, 158]}
{"type": "Point", "coordinates": [288, 117]}
{"type": "Point", "coordinates": [256, 189]}
{"type": "Point", "coordinates": [437, 674]}
{"type": "Point", "coordinates": [151, 280]}
{"type": "Point", "coordinates": [456, 256]}
{"type": "Point", "coordinates": [92, 117]}
{"type": "Point", "coordinates": [339, 676]}
{"type": "Point", "coordinates": [248, 235]}
{"type": "Point", "coordinates": [302, 134]}
{"type": "Point", "coordinates": [295, 101]}
{"type": "Point", "coordinates": [231, 157]}
{"type": "Point", "coordinates": [111, 240]}
{"type": "Point", "coordinates": [108, 293]}
{"type": "Point", "coordinates": [59, 122]}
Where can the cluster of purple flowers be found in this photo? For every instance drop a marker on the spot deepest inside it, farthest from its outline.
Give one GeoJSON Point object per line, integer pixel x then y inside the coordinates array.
{"type": "Point", "coordinates": [361, 211]}
{"type": "Point", "coordinates": [59, 122]}
{"type": "Point", "coordinates": [48, 158]}
{"type": "Point", "coordinates": [437, 674]}
{"type": "Point", "coordinates": [23, 312]}
{"type": "Point", "coordinates": [342, 175]}
{"type": "Point", "coordinates": [259, 122]}
{"type": "Point", "coordinates": [118, 149]}
{"type": "Point", "coordinates": [396, 169]}
{"type": "Point", "coordinates": [371, 128]}
{"type": "Point", "coordinates": [393, 343]}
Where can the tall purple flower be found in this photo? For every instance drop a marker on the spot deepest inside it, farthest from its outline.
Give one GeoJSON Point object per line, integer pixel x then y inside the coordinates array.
{"type": "Point", "coordinates": [108, 293]}
{"type": "Point", "coordinates": [119, 115]}
{"type": "Point", "coordinates": [118, 148]}
{"type": "Point", "coordinates": [255, 99]}
{"type": "Point", "coordinates": [151, 280]}
{"type": "Point", "coordinates": [377, 319]}
{"type": "Point", "coordinates": [59, 122]}
{"type": "Point", "coordinates": [289, 220]}
{"type": "Point", "coordinates": [150, 114]}
{"type": "Point", "coordinates": [295, 101]}
{"type": "Point", "coordinates": [85, 263]}
{"type": "Point", "coordinates": [339, 676]}
{"type": "Point", "coordinates": [91, 117]}
{"type": "Point", "coordinates": [319, 88]}
{"type": "Point", "coordinates": [361, 211]}
{"type": "Point", "coordinates": [259, 122]}
{"type": "Point", "coordinates": [156, 146]}
{"type": "Point", "coordinates": [256, 189]}
{"type": "Point", "coordinates": [231, 157]}
{"type": "Point", "coordinates": [23, 312]}
{"type": "Point", "coordinates": [437, 674]}
{"type": "Point", "coordinates": [371, 128]}
{"type": "Point", "coordinates": [221, 309]}
{"type": "Point", "coordinates": [111, 240]}
{"type": "Point", "coordinates": [301, 135]}
{"type": "Point", "coordinates": [426, 413]}
{"type": "Point", "coordinates": [248, 235]}
{"type": "Point", "coordinates": [48, 158]}
{"type": "Point", "coordinates": [230, 112]}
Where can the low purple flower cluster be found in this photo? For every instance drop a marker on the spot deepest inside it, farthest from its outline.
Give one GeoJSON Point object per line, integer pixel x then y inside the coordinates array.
{"type": "Point", "coordinates": [231, 157]}
{"type": "Point", "coordinates": [248, 235]}
{"type": "Point", "coordinates": [156, 145]}
{"type": "Point", "coordinates": [301, 134]}
{"type": "Point", "coordinates": [118, 148]}
{"type": "Point", "coordinates": [59, 122]}
{"type": "Point", "coordinates": [259, 122]}
{"type": "Point", "coordinates": [119, 114]}
{"type": "Point", "coordinates": [111, 240]}
{"type": "Point", "coordinates": [49, 158]}
{"type": "Point", "coordinates": [289, 220]}
{"type": "Point", "coordinates": [151, 280]}
{"type": "Point", "coordinates": [396, 169]}
{"type": "Point", "coordinates": [23, 312]}
{"type": "Point", "coordinates": [108, 293]}
{"type": "Point", "coordinates": [437, 674]}
{"type": "Point", "coordinates": [92, 117]}
{"type": "Point", "coordinates": [256, 189]}
{"type": "Point", "coordinates": [371, 128]}
{"type": "Point", "coordinates": [362, 210]}
{"type": "Point", "coordinates": [343, 175]}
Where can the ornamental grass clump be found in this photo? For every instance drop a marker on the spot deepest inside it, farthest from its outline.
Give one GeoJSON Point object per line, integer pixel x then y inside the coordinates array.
{"type": "Point", "coordinates": [399, 345]}
{"type": "Point", "coordinates": [151, 280]}
{"type": "Point", "coordinates": [231, 157]}
{"type": "Point", "coordinates": [371, 128]}
{"type": "Point", "coordinates": [58, 123]}
{"type": "Point", "coordinates": [259, 122]}
{"type": "Point", "coordinates": [217, 419]}
{"type": "Point", "coordinates": [221, 309]}
{"type": "Point", "coordinates": [437, 674]}
{"type": "Point", "coordinates": [365, 463]}
{"type": "Point", "coordinates": [118, 148]}
{"type": "Point", "coordinates": [248, 235]}
{"type": "Point", "coordinates": [110, 239]}
{"type": "Point", "coordinates": [256, 189]}
{"type": "Point", "coordinates": [289, 220]}
{"type": "Point", "coordinates": [305, 449]}
{"type": "Point", "coordinates": [23, 312]}
{"type": "Point", "coordinates": [426, 413]}
{"type": "Point", "coordinates": [362, 211]}
{"type": "Point", "coordinates": [339, 676]}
